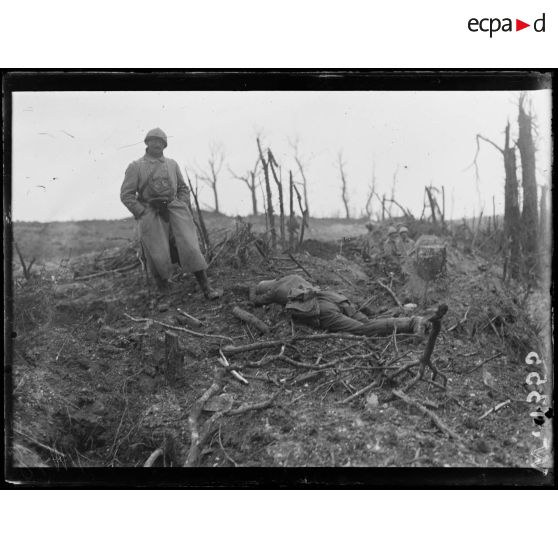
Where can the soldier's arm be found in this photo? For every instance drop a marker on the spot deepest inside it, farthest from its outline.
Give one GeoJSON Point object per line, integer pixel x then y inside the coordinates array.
{"type": "Point", "coordinates": [129, 189]}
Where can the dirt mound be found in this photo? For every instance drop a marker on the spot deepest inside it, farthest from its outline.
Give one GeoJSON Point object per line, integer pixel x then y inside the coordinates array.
{"type": "Point", "coordinates": [320, 249]}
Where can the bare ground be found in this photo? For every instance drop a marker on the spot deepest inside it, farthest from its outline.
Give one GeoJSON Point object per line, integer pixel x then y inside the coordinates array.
{"type": "Point", "coordinates": [89, 388]}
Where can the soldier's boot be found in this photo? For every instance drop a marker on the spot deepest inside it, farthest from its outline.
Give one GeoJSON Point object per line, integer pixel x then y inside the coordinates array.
{"type": "Point", "coordinates": [209, 292]}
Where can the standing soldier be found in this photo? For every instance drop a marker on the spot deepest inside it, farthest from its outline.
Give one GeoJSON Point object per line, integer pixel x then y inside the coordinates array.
{"type": "Point", "coordinates": [156, 194]}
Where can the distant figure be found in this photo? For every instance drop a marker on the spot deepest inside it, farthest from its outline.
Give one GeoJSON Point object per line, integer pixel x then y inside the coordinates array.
{"type": "Point", "coordinates": [392, 245]}
{"type": "Point", "coordinates": [157, 196]}
{"type": "Point", "coordinates": [405, 241]}
{"type": "Point", "coordinates": [372, 241]}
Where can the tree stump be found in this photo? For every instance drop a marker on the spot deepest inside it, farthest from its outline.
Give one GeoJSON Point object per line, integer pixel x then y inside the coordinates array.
{"type": "Point", "coordinates": [174, 358]}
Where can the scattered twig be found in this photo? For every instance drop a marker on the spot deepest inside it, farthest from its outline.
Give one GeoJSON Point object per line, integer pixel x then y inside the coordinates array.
{"type": "Point", "coordinates": [435, 418]}
{"type": "Point", "coordinates": [197, 439]}
{"type": "Point", "coordinates": [229, 458]}
{"type": "Point", "coordinates": [342, 278]}
{"type": "Point", "coordinates": [393, 295]}
{"type": "Point", "coordinates": [177, 328]}
{"type": "Point", "coordinates": [101, 273]}
{"type": "Point", "coordinates": [40, 444]}
{"type": "Point", "coordinates": [460, 322]}
{"type": "Point", "coordinates": [26, 268]}
{"type": "Point", "coordinates": [153, 457]}
{"type": "Point", "coordinates": [301, 267]}
{"type": "Point", "coordinates": [495, 409]}
{"type": "Point", "coordinates": [497, 355]}
{"type": "Point", "coordinates": [193, 321]}
{"type": "Point", "coordinates": [253, 407]}
{"type": "Point", "coordinates": [223, 361]}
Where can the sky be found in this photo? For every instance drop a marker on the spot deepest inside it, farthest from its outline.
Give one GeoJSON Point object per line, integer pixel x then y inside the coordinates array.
{"type": "Point", "coordinates": [70, 149]}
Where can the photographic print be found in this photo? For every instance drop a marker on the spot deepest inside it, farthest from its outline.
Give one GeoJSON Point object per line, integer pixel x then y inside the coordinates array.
{"type": "Point", "coordinates": [322, 271]}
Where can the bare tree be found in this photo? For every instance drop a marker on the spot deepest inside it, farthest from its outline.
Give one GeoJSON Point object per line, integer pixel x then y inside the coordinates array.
{"type": "Point", "coordinates": [344, 192]}
{"type": "Point", "coordinates": [300, 163]}
{"type": "Point", "coordinates": [249, 178]}
{"type": "Point", "coordinates": [511, 203]}
{"type": "Point", "coordinates": [269, 207]}
{"type": "Point", "coordinates": [215, 164]}
{"type": "Point", "coordinates": [370, 194]}
{"type": "Point", "coordinates": [277, 177]}
{"type": "Point", "coordinates": [529, 216]}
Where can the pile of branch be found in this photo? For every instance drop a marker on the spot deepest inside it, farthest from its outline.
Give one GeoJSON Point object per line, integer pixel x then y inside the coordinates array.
{"type": "Point", "coordinates": [119, 259]}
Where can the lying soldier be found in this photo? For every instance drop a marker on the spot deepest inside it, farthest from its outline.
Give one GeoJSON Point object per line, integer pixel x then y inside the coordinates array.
{"type": "Point", "coordinates": [329, 310]}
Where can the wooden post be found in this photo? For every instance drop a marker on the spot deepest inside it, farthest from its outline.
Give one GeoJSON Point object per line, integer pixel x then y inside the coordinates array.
{"type": "Point", "coordinates": [174, 358]}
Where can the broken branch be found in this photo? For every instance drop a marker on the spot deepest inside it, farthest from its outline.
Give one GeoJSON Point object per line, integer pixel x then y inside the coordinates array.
{"type": "Point", "coordinates": [249, 318]}
{"type": "Point", "coordinates": [433, 416]}
{"type": "Point", "coordinates": [393, 295]}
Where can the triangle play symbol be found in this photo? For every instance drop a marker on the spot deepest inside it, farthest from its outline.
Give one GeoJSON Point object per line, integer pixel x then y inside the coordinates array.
{"type": "Point", "coordinates": [519, 25]}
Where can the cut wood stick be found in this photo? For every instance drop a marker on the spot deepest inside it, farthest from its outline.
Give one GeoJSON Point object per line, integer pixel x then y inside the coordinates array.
{"type": "Point", "coordinates": [433, 416]}
{"type": "Point", "coordinates": [495, 409]}
{"type": "Point", "coordinates": [177, 328]}
{"type": "Point", "coordinates": [393, 295]}
{"type": "Point", "coordinates": [191, 320]}
{"type": "Point", "coordinates": [100, 274]}
{"type": "Point", "coordinates": [249, 318]}
{"type": "Point", "coordinates": [224, 362]}
{"type": "Point", "coordinates": [153, 457]}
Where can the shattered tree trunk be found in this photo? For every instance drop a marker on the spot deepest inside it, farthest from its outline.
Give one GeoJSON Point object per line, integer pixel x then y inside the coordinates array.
{"type": "Point", "coordinates": [511, 208]}
{"type": "Point", "coordinates": [344, 193]}
{"type": "Point", "coordinates": [292, 219]}
{"type": "Point", "coordinates": [269, 208]}
{"type": "Point", "coordinates": [304, 184]}
{"type": "Point", "coordinates": [272, 165]}
{"type": "Point", "coordinates": [529, 217]}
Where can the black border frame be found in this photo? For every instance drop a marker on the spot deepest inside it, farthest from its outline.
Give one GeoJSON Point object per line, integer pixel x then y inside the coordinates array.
{"type": "Point", "coordinates": [246, 80]}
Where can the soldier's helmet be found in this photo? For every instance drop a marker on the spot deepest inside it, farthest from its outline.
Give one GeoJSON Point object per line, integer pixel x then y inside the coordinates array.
{"type": "Point", "coordinates": [156, 133]}
{"type": "Point", "coordinates": [403, 229]}
{"type": "Point", "coordinates": [392, 230]}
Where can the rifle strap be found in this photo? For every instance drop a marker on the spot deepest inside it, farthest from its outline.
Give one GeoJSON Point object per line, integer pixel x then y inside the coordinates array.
{"type": "Point", "coordinates": [141, 190]}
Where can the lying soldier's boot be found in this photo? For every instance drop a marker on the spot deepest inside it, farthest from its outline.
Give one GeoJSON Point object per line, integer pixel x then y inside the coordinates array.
{"type": "Point", "coordinates": [209, 292]}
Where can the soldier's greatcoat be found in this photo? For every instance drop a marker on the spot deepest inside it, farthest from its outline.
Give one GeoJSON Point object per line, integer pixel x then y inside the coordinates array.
{"type": "Point", "coordinates": [149, 179]}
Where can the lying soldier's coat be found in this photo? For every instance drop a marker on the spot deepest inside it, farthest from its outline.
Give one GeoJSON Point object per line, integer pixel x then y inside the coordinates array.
{"type": "Point", "coordinates": [329, 310]}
